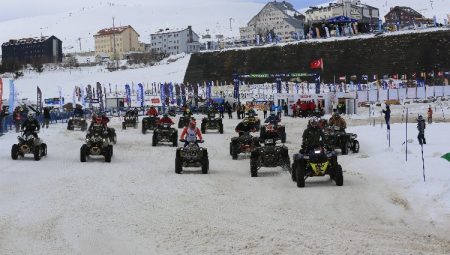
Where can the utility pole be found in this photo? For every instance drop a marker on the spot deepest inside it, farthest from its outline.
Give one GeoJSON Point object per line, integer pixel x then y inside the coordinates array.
{"type": "Point", "coordinates": [79, 41]}
{"type": "Point", "coordinates": [231, 29]}
{"type": "Point", "coordinates": [114, 46]}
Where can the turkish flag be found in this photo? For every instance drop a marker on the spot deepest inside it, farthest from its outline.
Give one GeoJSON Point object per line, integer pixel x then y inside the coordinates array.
{"type": "Point", "coordinates": [316, 64]}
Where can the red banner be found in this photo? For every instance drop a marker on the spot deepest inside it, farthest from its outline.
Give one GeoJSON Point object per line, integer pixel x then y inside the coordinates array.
{"type": "Point", "coordinates": [155, 101]}
{"type": "Point", "coordinates": [1, 93]}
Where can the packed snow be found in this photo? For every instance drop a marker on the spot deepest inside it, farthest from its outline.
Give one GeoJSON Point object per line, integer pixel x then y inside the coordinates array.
{"type": "Point", "coordinates": [138, 205]}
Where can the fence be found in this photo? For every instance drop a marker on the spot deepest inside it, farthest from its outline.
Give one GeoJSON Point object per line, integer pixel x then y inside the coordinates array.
{"type": "Point", "coordinates": [8, 124]}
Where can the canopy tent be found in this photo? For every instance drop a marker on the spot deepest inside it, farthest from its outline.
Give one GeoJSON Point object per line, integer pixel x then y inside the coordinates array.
{"type": "Point", "coordinates": [341, 19]}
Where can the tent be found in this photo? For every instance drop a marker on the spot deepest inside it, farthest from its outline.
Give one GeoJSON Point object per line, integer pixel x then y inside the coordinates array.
{"type": "Point", "coordinates": [341, 19]}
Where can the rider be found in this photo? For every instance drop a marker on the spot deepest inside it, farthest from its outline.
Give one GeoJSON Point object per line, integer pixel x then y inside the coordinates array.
{"type": "Point", "coordinates": [152, 112]}
{"type": "Point", "coordinates": [31, 125]}
{"type": "Point", "coordinates": [165, 120]}
{"type": "Point", "coordinates": [244, 127]}
{"type": "Point", "coordinates": [312, 136]}
{"type": "Point", "coordinates": [272, 119]}
{"type": "Point", "coordinates": [190, 133]}
{"type": "Point", "coordinates": [78, 112]}
{"type": "Point", "coordinates": [337, 120]}
{"type": "Point", "coordinates": [187, 112]}
{"type": "Point", "coordinates": [96, 125]}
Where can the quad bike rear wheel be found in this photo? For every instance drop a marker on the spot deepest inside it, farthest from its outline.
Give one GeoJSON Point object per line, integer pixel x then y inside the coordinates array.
{"type": "Point", "coordinates": [15, 151]}
{"type": "Point", "coordinates": [300, 174]}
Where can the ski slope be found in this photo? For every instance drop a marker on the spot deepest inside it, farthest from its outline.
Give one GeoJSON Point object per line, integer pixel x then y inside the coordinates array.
{"type": "Point", "coordinates": [137, 204]}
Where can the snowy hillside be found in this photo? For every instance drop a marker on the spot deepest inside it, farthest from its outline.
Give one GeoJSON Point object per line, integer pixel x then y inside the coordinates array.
{"type": "Point", "coordinates": [82, 19]}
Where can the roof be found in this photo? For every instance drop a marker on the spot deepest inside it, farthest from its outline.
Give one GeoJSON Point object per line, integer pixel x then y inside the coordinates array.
{"type": "Point", "coordinates": [113, 30]}
{"type": "Point", "coordinates": [169, 31]}
{"type": "Point", "coordinates": [406, 9]}
{"type": "Point", "coordinates": [287, 8]}
{"type": "Point", "coordinates": [30, 40]}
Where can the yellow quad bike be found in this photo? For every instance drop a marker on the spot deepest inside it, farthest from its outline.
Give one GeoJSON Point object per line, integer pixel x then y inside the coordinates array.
{"type": "Point", "coordinates": [316, 162]}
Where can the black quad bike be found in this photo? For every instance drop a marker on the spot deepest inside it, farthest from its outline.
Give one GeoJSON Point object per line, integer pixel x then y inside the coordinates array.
{"type": "Point", "coordinates": [253, 120]}
{"type": "Point", "coordinates": [28, 144]}
{"type": "Point", "coordinates": [245, 143]}
{"type": "Point", "coordinates": [77, 122]}
{"type": "Point", "coordinates": [184, 121]}
{"type": "Point", "coordinates": [97, 144]}
{"type": "Point", "coordinates": [336, 138]}
{"type": "Point", "coordinates": [191, 155]}
{"type": "Point", "coordinates": [149, 123]}
{"type": "Point", "coordinates": [212, 122]}
{"type": "Point", "coordinates": [277, 132]}
{"type": "Point", "coordinates": [165, 133]}
{"type": "Point", "coordinates": [270, 155]}
{"type": "Point", "coordinates": [316, 162]}
{"type": "Point", "coordinates": [130, 121]}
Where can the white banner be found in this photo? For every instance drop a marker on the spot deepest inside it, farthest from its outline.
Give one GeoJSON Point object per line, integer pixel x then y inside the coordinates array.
{"type": "Point", "coordinates": [382, 95]}
{"type": "Point", "coordinates": [373, 95]}
{"type": "Point", "coordinates": [439, 91]}
{"type": "Point", "coordinates": [429, 91]}
{"type": "Point", "coordinates": [362, 96]}
{"type": "Point", "coordinates": [411, 93]}
{"type": "Point", "coordinates": [421, 93]}
{"type": "Point", "coordinates": [393, 94]}
{"type": "Point", "coordinates": [402, 93]}
{"type": "Point", "coordinates": [447, 91]}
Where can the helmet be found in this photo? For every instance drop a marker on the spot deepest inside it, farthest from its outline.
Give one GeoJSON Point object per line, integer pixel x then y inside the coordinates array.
{"type": "Point", "coordinates": [192, 124]}
{"type": "Point", "coordinates": [166, 115]}
{"type": "Point", "coordinates": [30, 115]}
{"type": "Point", "coordinates": [245, 122]}
{"type": "Point", "coordinates": [420, 117]}
{"type": "Point", "coordinates": [313, 122]}
{"type": "Point", "coordinates": [98, 120]}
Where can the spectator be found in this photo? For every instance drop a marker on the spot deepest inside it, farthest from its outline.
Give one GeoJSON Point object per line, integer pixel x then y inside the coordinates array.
{"type": "Point", "coordinates": [46, 117]}
{"type": "Point", "coordinates": [430, 115]}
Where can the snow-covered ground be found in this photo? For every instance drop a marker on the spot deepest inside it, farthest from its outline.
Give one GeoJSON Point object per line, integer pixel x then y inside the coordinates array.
{"type": "Point", "coordinates": [137, 204]}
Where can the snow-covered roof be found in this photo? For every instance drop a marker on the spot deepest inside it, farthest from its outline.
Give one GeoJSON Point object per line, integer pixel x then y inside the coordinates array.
{"type": "Point", "coordinates": [113, 30]}
{"type": "Point", "coordinates": [27, 40]}
{"type": "Point", "coordinates": [169, 31]}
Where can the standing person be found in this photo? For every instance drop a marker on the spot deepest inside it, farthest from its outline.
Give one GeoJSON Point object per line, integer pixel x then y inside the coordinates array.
{"type": "Point", "coordinates": [17, 118]}
{"type": "Point", "coordinates": [265, 107]}
{"type": "Point", "coordinates": [294, 110]}
{"type": "Point", "coordinates": [230, 111]}
{"type": "Point", "coordinates": [46, 117]}
{"type": "Point", "coordinates": [387, 116]}
{"type": "Point", "coordinates": [285, 109]}
{"type": "Point", "coordinates": [430, 115]}
{"type": "Point", "coordinates": [221, 111]}
{"type": "Point", "coordinates": [279, 110]}
{"type": "Point", "coordinates": [3, 114]}
{"type": "Point", "coordinates": [421, 128]}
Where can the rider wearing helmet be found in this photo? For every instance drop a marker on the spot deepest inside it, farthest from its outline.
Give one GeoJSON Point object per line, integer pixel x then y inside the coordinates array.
{"type": "Point", "coordinates": [313, 135]}
{"type": "Point", "coordinates": [190, 133]}
{"type": "Point", "coordinates": [272, 119]}
{"type": "Point", "coordinates": [31, 125]}
{"type": "Point", "coordinates": [152, 112]}
{"type": "Point", "coordinates": [165, 120]}
{"type": "Point", "coordinates": [244, 127]}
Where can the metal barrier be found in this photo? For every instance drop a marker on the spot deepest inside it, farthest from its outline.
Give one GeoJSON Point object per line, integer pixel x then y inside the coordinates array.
{"type": "Point", "coordinates": [8, 124]}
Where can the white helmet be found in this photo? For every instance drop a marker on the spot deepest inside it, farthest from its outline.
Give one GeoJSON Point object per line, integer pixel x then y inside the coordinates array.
{"type": "Point", "coordinates": [30, 115]}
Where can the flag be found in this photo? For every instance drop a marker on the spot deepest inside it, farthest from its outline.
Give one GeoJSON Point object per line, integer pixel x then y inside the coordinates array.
{"type": "Point", "coordinates": [1, 93]}
{"type": "Point", "coordinates": [39, 100]}
{"type": "Point", "coordinates": [342, 78]}
{"type": "Point", "coordinates": [60, 97]}
{"type": "Point", "coordinates": [278, 85]}
{"type": "Point", "coordinates": [316, 64]}
{"type": "Point", "coordinates": [317, 78]}
{"type": "Point", "coordinates": [127, 95]}
{"type": "Point", "coordinates": [12, 96]}
{"type": "Point", "coordinates": [141, 92]}
{"type": "Point", "coordinates": [100, 96]}
{"type": "Point", "coordinates": [236, 88]}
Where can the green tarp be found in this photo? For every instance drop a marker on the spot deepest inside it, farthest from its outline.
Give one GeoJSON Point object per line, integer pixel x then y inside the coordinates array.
{"type": "Point", "coordinates": [446, 156]}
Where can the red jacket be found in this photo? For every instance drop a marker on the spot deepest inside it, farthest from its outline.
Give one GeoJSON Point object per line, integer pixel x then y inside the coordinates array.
{"type": "Point", "coordinates": [152, 112]}
{"type": "Point", "coordinates": [197, 133]}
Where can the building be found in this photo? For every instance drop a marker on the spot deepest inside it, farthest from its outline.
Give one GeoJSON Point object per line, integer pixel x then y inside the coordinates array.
{"type": "Point", "coordinates": [276, 20]}
{"type": "Point", "coordinates": [176, 41]}
{"type": "Point", "coordinates": [400, 17]}
{"type": "Point", "coordinates": [31, 50]}
{"type": "Point", "coordinates": [125, 38]}
{"type": "Point", "coordinates": [367, 16]}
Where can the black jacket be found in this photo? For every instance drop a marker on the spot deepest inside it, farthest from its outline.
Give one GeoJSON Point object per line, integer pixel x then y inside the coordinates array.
{"type": "Point", "coordinates": [31, 126]}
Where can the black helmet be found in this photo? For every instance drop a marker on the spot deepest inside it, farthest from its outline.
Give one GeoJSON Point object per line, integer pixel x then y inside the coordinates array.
{"type": "Point", "coordinates": [420, 117]}
{"type": "Point", "coordinates": [166, 115]}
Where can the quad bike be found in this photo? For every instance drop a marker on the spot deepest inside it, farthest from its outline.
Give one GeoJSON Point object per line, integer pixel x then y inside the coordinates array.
{"type": "Point", "coordinates": [165, 133]}
{"type": "Point", "coordinates": [149, 123]}
{"type": "Point", "coordinates": [253, 120]}
{"type": "Point", "coordinates": [97, 144]}
{"type": "Point", "coordinates": [184, 121]}
{"type": "Point", "coordinates": [270, 155]}
{"type": "Point", "coordinates": [77, 122]}
{"type": "Point", "coordinates": [191, 155]}
{"type": "Point", "coordinates": [211, 122]}
{"type": "Point", "coordinates": [336, 137]}
{"type": "Point", "coordinates": [316, 162]}
{"type": "Point", "coordinates": [245, 143]}
{"type": "Point", "coordinates": [273, 131]}
{"type": "Point", "coordinates": [28, 144]}
{"type": "Point", "coordinates": [130, 121]}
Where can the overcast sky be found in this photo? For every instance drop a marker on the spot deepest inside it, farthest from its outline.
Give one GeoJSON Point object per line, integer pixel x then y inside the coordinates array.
{"type": "Point", "coordinates": [13, 9]}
